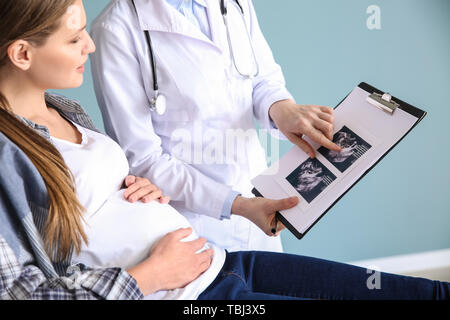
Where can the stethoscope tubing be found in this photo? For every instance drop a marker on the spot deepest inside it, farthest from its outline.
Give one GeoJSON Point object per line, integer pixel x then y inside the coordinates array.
{"type": "Point", "coordinates": [152, 60]}
{"type": "Point", "coordinates": [148, 39]}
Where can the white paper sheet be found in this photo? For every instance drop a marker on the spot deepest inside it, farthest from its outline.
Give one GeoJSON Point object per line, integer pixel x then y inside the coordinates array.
{"type": "Point", "coordinates": [368, 133]}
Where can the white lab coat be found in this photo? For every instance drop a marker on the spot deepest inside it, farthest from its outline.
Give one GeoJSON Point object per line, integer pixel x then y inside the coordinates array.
{"type": "Point", "coordinates": [208, 102]}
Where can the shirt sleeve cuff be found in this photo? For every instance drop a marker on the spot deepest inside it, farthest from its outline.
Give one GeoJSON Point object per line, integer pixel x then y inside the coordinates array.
{"type": "Point", "coordinates": [226, 210]}
{"type": "Point", "coordinates": [274, 131]}
{"type": "Point", "coordinates": [268, 101]}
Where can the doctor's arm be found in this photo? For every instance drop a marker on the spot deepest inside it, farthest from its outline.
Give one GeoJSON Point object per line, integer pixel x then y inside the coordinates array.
{"type": "Point", "coordinates": [118, 82]}
{"type": "Point", "coordinates": [274, 107]}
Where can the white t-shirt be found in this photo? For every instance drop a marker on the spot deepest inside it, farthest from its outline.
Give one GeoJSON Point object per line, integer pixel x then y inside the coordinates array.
{"type": "Point", "coordinates": [121, 233]}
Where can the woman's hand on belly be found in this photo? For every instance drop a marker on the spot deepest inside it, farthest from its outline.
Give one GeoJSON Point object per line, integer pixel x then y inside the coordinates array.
{"type": "Point", "coordinates": [172, 263]}
{"type": "Point", "coordinates": [141, 189]}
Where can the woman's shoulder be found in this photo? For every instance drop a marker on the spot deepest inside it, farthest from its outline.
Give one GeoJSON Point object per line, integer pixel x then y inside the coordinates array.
{"type": "Point", "coordinates": [7, 148]}
{"type": "Point", "coordinates": [18, 174]}
{"type": "Point", "coordinates": [70, 108]}
{"type": "Point", "coordinates": [63, 103]}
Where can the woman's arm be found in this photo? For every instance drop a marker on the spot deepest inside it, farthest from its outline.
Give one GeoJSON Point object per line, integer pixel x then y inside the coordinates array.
{"type": "Point", "coordinates": [172, 264]}
{"type": "Point", "coordinates": [19, 281]}
{"type": "Point", "coordinates": [21, 185]}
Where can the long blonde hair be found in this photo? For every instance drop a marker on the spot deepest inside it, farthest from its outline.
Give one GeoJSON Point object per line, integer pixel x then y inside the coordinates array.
{"type": "Point", "coordinates": [34, 21]}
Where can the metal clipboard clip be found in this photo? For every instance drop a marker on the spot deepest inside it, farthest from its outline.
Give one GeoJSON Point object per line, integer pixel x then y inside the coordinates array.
{"type": "Point", "coordinates": [384, 102]}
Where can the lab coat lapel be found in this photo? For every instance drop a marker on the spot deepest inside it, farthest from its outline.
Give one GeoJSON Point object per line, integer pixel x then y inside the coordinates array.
{"type": "Point", "coordinates": [157, 15]}
{"type": "Point", "coordinates": [217, 25]}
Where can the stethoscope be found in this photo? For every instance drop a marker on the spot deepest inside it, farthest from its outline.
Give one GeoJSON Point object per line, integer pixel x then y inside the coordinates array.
{"type": "Point", "coordinates": [158, 103]}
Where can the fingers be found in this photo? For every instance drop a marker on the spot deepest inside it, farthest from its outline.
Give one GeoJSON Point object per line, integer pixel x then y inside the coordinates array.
{"type": "Point", "coordinates": [279, 228]}
{"type": "Point", "coordinates": [164, 199]}
{"type": "Point", "coordinates": [205, 258]}
{"type": "Point", "coordinates": [148, 195]}
{"type": "Point", "coordinates": [320, 129]}
{"type": "Point", "coordinates": [129, 180]}
{"type": "Point", "coordinates": [325, 127]}
{"type": "Point", "coordinates": [181, 233]}
{"type": "Point", "coordinates": [284, 204]}
{"type": "Point", "coordinates": [301, 143]}
{"type": "Point", "coordinates": [326, 117]}
{"type": "Point", "coordinates": [316, 122]}
{"type": "Point", "coordinates": [142, 189]}
{"type": "Point", "coordinates": [150, 192]}
{"type": "Point", "coordinates": [197, 244]}
{"type": "Point", "coordinates": [138, 183]}
{"type": "Point", "coordinates": [205, 265]}
{"type": "Point", "coordinates": [190, 246]}
{"type": "Point", "coordinates": [326, 109]}
{"type": "Point", "coordinates": [325, 124]}
{"type": "Point", "coordinates": [321, 139]}
{"type": "Point", "coordinates": [206, 255]}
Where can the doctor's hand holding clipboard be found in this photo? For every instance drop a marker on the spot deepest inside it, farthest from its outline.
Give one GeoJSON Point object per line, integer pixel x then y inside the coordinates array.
{"type": "Point", "coordinates": [174, 80]}
{"type": "Point", "coordinates": [293, 121]}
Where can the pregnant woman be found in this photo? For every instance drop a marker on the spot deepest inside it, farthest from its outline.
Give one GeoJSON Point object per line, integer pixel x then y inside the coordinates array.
{"type": "Point", "coordinates": [62, 203]}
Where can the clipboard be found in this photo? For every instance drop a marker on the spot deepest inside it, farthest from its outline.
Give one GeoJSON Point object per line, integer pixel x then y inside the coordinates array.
{"type": "Point", "coordinates": [366, 99]}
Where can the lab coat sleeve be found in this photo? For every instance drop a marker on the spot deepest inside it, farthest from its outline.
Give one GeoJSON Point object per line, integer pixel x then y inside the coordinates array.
{"type": "Point", "coordinates": [126, 114]}
{"type": "Point", "coordinates": [269, 86]}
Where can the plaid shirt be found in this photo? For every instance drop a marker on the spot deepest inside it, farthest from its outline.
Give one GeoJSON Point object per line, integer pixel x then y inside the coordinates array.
{"type": "Point", "coordinates": [29, 282]}
{"type": "Point", "coordinates": [26, 271]}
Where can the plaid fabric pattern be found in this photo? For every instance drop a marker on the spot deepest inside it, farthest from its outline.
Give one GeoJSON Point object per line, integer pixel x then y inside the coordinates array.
{"type": "Point", "coordinates": [35, 276]}
{"type": "Point", "coordinates": [28, 282]}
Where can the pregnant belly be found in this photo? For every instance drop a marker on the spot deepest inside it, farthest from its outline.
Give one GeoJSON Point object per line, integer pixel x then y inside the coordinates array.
{"type": "Point", "coordinates": [121, 233]}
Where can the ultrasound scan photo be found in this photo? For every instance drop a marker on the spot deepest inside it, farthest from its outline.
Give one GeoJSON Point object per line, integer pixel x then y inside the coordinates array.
{"type": "Point", "coordinates": [310, 179]}
{"type": "Point", "coordinates": [353, 148]}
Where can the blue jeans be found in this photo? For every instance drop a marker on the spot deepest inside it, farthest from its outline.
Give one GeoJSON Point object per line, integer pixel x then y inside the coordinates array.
{"type": "Point", "coordinates": [248, 275]}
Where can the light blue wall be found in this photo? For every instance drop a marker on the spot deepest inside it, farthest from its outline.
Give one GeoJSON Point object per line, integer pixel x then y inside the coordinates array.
{"type": "Point", "coordinates": [325, 50]}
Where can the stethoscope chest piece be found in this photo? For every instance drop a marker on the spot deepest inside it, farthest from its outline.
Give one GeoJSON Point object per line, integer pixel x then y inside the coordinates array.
{"type": "Point", "coordinates": [159, 104]}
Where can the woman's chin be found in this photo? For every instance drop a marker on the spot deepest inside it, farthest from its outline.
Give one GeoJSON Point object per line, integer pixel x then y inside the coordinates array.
{"type": "Point", "coordinates": [79, 81]}
{"type": "Point", "coordinates": [75, 83]}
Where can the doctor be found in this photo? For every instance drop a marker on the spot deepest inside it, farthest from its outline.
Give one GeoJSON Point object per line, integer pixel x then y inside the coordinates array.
{"type": "Point", "coordinates": [179, 83]}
